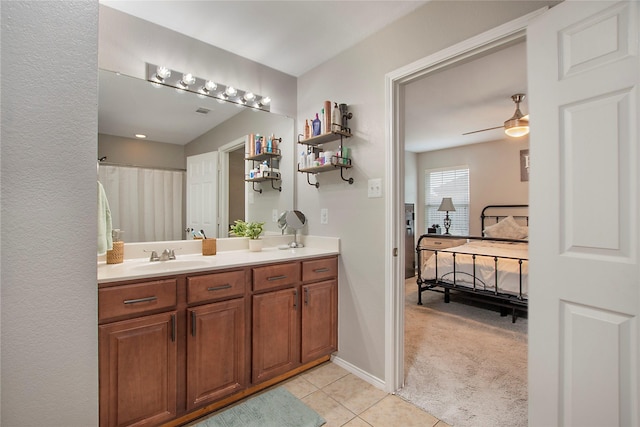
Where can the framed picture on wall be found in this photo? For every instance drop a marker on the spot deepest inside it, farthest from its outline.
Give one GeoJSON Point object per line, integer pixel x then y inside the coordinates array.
{"type": "Point", "coordinates": [524, 165]}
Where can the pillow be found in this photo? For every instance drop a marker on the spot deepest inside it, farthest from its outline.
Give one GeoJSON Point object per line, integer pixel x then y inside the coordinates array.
{"type": "Point", "coordinates": [507, 228]}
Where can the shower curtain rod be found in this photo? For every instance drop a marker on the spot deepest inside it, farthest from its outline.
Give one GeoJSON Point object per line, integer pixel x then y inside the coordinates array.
{"type": "Point", "coordinates": [140, 167]}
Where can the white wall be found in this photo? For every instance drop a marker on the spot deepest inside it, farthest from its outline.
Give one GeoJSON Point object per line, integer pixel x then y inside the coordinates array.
{"type": "Point", "coordinates": [356, 77]}
{"type": "Point", "coordinates": [494, 176]}
{"type": "Point", "coordinates": [48, 289]}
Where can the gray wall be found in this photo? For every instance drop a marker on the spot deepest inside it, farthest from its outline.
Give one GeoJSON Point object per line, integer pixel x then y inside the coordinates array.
{"type": "Point", "coordinates": [49, 339]}
{"type": "Point", "coordinates": [494, 176]}
{"type": "Point", "coordinates": [130, 151]}
{"type": "Point", "coordinates": [356, 77]}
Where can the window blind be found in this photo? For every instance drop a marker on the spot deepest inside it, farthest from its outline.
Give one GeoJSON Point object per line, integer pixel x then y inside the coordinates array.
{"type": "Point", "coordinates": [450, 182]}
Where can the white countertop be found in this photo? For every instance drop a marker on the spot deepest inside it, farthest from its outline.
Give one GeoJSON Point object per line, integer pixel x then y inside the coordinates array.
{"type": "Point", "coordinates": [192, 261]}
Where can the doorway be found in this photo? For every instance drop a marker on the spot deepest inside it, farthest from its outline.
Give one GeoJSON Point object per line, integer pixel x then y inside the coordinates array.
{"type": "Point", "coordinates": [503, 35]}
{"type": "Point", "coordinates": [233, 195]}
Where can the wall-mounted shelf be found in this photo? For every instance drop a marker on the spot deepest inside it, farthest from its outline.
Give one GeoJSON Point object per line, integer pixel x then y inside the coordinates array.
{"type": "Point", "coordinates": [337, 162]}
{"type": "Point", "coordinates": [269, 174]}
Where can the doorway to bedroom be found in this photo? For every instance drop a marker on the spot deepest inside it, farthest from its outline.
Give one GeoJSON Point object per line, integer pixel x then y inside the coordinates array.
{"type": "Point", "coordinates": [464, 363]}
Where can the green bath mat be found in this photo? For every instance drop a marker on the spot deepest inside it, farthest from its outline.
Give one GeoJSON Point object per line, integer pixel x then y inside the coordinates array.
{"type": "Point", "coordinates": [274, 408]}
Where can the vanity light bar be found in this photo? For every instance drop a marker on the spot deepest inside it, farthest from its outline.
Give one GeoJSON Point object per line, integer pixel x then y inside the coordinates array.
{"type": "Point", "coordinates": [160, 75]}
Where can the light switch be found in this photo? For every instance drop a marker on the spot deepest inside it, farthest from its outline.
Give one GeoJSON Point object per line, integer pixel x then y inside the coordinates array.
{"type": "Point", "coordinates": [274, 215]}
{"type": "Point", "coordinates": [374, 189]}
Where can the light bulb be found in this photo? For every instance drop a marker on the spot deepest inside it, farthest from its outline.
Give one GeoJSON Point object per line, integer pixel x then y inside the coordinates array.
{"type": "Point", "coordinates": [231, 91]}
{"type": "Point", "coordinates": [265, 100]}
{"type": "Point", "coordinates": [162, 73]}
{"type": "Point", "coordinates": [249, 96]}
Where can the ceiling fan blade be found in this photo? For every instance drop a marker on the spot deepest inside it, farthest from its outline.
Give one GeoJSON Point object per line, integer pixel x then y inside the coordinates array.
{"type": "Point", "coordinates": [482, 130]}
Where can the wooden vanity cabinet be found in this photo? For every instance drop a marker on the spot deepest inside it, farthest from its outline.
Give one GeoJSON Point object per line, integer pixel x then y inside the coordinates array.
{"type": "Point", "coordinates": [216, 337]}
{"type": "Point", "coordinates": [276, 325]}
{"type": "Point", "coordinates": [175, 348]}
{"type": "Point", "coordinates": [319, 333]}
{"type": "Point", "coordinates": [137, 356]}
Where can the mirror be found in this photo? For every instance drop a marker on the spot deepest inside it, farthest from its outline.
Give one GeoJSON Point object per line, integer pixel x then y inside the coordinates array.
{"type": "Point", "coordinates": [179, 124]}
{"type": "Point", "coordinates": [295, 220]}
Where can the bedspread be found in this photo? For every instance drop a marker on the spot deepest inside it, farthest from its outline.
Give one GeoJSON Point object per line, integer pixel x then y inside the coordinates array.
{"type": "Point", "coordinates": [508, 266]}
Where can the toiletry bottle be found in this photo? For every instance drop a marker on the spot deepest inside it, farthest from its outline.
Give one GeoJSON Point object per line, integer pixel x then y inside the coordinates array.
{"type": "Point", "coordinates": [327, 117]}
{"type": "Point", "coordinates": [274, 143]}
{"type": "Point", "coordinates": [251, 143]}
{"type": "Point", "coordinates": [307, 131]}
{"type": "Point", "coordinates": [336, 120]}
{"type": "Point", "coordinates": [317, 126]}
{"type": "Point", "coordinates": [258, 144]}
{"type": "Point", "coordinates": [263, 144]}
{"type": "Point", "coordinates": [269, 145]}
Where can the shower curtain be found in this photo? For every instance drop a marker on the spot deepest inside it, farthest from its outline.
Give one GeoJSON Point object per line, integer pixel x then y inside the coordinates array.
{"type": "Point", "coordinates": [147, 204]}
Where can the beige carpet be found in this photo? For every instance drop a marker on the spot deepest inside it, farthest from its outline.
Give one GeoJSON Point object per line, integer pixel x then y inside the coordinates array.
{"type": "Point", "coordinates": [464, 363]}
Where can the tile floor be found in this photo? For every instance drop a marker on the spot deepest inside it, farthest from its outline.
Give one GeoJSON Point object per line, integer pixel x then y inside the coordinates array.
{"type": "Point", "coordinates": [343, 399]}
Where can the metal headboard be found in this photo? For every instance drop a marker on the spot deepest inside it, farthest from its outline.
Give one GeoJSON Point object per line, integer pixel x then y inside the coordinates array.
{"type": "Point", "coordinates": [503, 208]}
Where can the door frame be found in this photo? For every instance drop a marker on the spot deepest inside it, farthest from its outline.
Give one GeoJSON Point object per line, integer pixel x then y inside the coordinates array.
{"type": "Point", "coordinates": [501, 36]}
{"type": "Point", "coordinates": [223, 180]}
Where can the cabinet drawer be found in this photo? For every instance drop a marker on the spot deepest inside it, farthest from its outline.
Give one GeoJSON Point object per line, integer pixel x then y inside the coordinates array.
{"type": "Point", "coordinates": [215, 286]}
{"type": "Point", "coordinates": [275, 276]}
{"type": "Point", "coordinates": [319, 269]}
{"type": "Point", "coordinates": [138, 298]}
{"type": "Point", "coordinates": [435, 243]}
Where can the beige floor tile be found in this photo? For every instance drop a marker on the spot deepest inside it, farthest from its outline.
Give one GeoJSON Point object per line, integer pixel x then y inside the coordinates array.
{"type": "Point", "coordinates": [393, 411]}
{"type": "Point", "coordinates": [324, 374]}
{"type": "Point", "coordinates": [299, 387]}
{"type": "Point", "coordinates": [357, 422]}
{"type": "Point", "coordinates": [334, 413]}
{"type": "Point", "coordinates": [354, 393]}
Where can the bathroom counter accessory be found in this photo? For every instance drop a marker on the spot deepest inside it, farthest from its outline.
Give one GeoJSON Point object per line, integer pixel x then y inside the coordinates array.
{"type": "Point", "coordinates": [339, 161]}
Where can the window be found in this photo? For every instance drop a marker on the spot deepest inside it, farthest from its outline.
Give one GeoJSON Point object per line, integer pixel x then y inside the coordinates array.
{"type": "Point", "coordinates": [449, 182]}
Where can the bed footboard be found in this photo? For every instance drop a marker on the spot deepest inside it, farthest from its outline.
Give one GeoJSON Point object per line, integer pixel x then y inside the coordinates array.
{"type": "Point", "coordinates": [483, 269]}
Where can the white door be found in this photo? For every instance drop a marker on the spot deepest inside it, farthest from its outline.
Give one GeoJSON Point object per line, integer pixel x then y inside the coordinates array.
{"type": "Point", "coordinates": [202, 193]}
{"type": "Point", "coordinates": [584, 340]}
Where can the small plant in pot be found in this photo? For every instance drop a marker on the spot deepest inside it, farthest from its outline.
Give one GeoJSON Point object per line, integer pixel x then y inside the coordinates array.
{"type": "Point", "coordinates": [252, 230]}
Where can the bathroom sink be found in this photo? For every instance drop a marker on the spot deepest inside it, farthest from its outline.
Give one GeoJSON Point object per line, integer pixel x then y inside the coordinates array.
{"type": "Point", "coordinates": [176, 264]}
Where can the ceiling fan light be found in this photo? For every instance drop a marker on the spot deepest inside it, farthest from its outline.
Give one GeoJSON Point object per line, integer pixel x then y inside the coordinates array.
{"type": "Point", "coordinates": [516, 127]}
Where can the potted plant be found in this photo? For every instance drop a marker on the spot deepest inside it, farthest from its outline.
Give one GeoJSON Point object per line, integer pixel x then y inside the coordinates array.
{"type": "Point", "coordinates": [252, 230]}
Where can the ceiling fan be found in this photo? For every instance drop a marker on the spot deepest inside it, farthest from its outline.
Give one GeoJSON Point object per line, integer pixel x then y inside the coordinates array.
{"type": "Point", "coordinates": [517, 125]}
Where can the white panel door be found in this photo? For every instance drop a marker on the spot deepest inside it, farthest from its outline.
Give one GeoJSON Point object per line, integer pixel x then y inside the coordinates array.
{"type": "Point", "coordinates": [583, 74]}
{"type": "Point", "coordinates": [202, 193]}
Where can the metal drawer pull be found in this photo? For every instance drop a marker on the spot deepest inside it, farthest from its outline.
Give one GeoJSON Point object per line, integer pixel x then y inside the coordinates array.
{"type": "Point", "coordinates": [276, 277]}
{"type": "Point", "coordinates": [173, 328]}
{"type": "Point", "coordinates": [437, 243]}
{"type": "Point", "coordinates": [306, 296]}
{"type": "Point", "coordinates": [321, 270]}
{"type": "Point", "coordinates": [295, 299]}
{"type": "Point", "coordinates": [135, 301]}
{"type": "Point", "coordinates": [218, 288]}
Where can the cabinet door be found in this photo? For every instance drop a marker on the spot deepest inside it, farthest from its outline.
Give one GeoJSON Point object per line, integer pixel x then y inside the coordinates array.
{"type": "Point", "coordinates": [276, 334]}
{"type": "Point", "coordinates": [319, 320]}
{"type": "Point", "coordinates": [137, 364]}
{"type": "Point", "coordinates": [215, 351]}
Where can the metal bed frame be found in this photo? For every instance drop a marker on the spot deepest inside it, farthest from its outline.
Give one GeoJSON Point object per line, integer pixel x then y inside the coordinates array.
{"type": "Point", "coordinates": [477, 291]}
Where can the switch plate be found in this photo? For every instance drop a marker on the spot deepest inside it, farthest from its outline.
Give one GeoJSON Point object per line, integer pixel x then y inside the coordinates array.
{"type": "Point", "coordinates": [274, 215]}
{"type": "Point", "coordinates": [374, 188]}
{"type": "Point", "coordinates": [324, 216]}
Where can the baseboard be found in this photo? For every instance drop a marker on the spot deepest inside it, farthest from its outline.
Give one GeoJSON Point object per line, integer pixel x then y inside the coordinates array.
{"type": "Point", "coordinates": [374, 381]}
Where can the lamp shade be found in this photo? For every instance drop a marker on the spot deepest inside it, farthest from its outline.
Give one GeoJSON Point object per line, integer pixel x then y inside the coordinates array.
{"type": "Point", "coordinates": [446, 205]}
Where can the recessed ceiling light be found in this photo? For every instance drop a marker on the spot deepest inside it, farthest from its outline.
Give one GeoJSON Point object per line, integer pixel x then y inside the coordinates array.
{"type": "Point", "coordinates": [141, 135]}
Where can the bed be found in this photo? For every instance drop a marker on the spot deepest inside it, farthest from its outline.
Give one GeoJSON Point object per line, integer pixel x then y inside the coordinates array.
{"type": "Point", "coordinates": [492, 268]}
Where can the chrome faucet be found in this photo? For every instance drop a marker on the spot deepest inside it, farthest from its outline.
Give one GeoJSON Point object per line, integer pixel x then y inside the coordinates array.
{"type": "Point", "coordinates": [167, 254]}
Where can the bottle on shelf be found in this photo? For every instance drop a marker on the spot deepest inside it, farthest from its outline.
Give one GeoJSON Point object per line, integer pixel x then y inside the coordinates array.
{"type": "Point", "coordinates": [336, 119]}
{"type": "Point", "coordinates": [326, 114]}
{"type": "Point", "coordinates": [317, 126]}
{"type": "Point", "coordinates": [307, 129]}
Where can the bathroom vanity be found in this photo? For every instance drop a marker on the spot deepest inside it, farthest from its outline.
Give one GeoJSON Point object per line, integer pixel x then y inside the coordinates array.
{"type": "Point", "coordinates": [180, 340]}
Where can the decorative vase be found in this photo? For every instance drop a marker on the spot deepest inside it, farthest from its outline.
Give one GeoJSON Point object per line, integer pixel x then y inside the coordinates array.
{"type": "Point", "coordinates": [255, 245]}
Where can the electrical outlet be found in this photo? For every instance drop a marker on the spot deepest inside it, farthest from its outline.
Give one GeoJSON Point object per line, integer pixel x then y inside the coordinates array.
{"type": "Point", "coordinates": [374, 188]}
{"type": "Point", "coordinates": [274, 215]}
{"type": "Point", "coordinates": [324, 216]}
